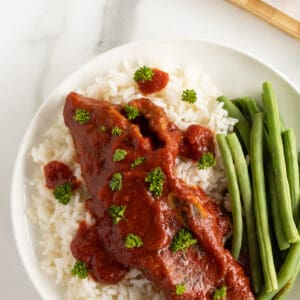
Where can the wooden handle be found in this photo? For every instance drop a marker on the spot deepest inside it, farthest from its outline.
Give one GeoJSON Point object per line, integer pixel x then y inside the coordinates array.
{"type": "Point", "coordinates": [271, 15]}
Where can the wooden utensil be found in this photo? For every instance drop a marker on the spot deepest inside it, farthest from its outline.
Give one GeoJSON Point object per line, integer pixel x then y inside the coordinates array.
{"type": "Point", "coordinates": [272, 15]}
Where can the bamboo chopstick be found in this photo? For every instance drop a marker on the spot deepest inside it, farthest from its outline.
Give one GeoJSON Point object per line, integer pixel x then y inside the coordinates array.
{"type": "Point", "coordinates": [271, 15]}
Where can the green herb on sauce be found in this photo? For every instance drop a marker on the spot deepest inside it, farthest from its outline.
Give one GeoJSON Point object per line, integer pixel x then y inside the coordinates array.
{"type": "Point", "coordinates": [116, 131]}
{"type": "Point", "coordinates": [119, 155]}
{"type": "Point", "coordinates": [140, 160]}
{"type": "Point", "coordinates": [102, 128]}
{"type": "Point", "coordinates": [133, 241]}
{"type": "Point", "coordinates": [156, 180]}
{"type": "Point", "coordinates": [116, 182]}
{"type": "Point", "coordinates": [189, 96]}
{"type": "Point", "coordinates": [81, 116]}
{"type": "Point", "coordinates": [180, 289]}
{"type": "Point", "coordinates": [117, 213]}
{"type": "Point", "coordinates": [207, 160]}
{"type": "Point", "coordinates": [220, 293]}
{"type": "Point", "coordinates": [63, 193]}
{"type": "Point", "coordinates": [80, 269]}
{"type": "Point", "coordinates": [131, 112]}
{"type": "Point", "coordinates": [182, 240]}
{"type": "Point", "coordinates": [143, 74]}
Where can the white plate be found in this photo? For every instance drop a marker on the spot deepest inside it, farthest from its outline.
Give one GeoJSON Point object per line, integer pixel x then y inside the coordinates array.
{"type": "Point", "coordinates": [234, 72]}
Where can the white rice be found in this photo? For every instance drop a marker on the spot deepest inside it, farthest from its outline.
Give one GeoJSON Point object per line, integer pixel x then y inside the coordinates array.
{"type": "Point", "coordinates": [57, 224]}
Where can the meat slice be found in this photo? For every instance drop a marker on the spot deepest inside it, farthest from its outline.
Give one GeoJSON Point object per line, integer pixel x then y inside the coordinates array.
{"type": "Point", "coordinates": [154, 218]}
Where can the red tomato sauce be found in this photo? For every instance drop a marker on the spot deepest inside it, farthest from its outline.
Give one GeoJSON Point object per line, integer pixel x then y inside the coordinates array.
{"type": "Point", "coordinates": [57, 173]}
{"type": "Point", "coordinates": [197, 140]}
{"type": "Point", "coordinates": [203, 267]}
{"type": "Point", "coordinates": [88, 247]}
{"type": "Point", "coordinates": [159, 81]}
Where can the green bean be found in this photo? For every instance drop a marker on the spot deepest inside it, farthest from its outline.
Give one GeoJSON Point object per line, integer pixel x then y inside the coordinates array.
{"type": "Point", "coordinates": [247, 106]}
{"type": "Point", "coordinates": [241, 104]}
{"type": "Point", "coordinates": [291, 160]}
{"type": "Point", "coordinates": [289, 285]}
{"type": "Point", "coordinates": [279, 232]}
{"type": "Point", "coordinates": [246, 192]}
{"type": "Point", "coordinates": [282, 126]}
{"type": "Point", "coordinates": [235, 200]}
{"type": "Point", "coordinates": [253, 108]}
{"type": "Point", "coordinates": [260, 203]}
{"type": "Point", "coordinates": [288, 270]}
{"type": "Point", "coordinates": [277, 153]}
{"type": "Point", "coordinates": [242, 126]}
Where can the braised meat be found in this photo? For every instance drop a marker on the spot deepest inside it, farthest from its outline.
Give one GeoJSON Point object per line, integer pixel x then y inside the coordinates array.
{"type": "Point", "coordinates": [128, 165]}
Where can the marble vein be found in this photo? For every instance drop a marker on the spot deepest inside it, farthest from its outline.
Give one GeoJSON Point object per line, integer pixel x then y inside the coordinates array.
{"type": "Point", "coordinates": [47, 30]}
{"type": "Point", "coordinates": [118, 23]}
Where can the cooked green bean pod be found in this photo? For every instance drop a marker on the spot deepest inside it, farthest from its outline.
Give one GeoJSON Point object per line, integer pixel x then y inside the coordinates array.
{"type": "Point", "coordinates": [277, 153]}
{"type": "Point", "coordinates": [292, 168]}
{"type": "Point", "coordinates": [252, 107]}
{"type": "Point", "coordinates": [260, 202]}
{"type": "Point", "coordinates": [279, 232]}
{"type": "Point", "coordinates": [246, 193]}
{"type": "Point", "coordinates": [287, 272]}
{"type": "Point", "coordinates": [242, 126]}
{"type": "Point", "coordinates": [235, 200]}
{"type": "Point", "coordinates": [287, 288]}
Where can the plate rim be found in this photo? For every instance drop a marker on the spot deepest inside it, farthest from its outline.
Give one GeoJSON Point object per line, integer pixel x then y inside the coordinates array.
{"type": "Point", "coordinates": [21, 152]}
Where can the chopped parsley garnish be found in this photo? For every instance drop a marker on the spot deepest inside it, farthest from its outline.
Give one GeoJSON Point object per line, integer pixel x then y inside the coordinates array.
{"type": "Point", "coordinates": [81, 116]}
{"type": "Point", "coordinates": [143, 74]}
{"type": "Point", "coordinates": [156, 180]}
{"type": "Point", "coordinates": [131, 112]}
{"type": "Point", "coordinates": [116, 182]}
{"type": "Point", "coordinates": [140, 160]}
{"type": "Point", "coordinates": [116, 131]}
{"type": "Point", "coordinates": [102, 128]}
{"type": "Point", "coordinates": [220, 293]}
{"type": "Point", "coordinates": [180, 289]}
{"type": "Point", "coordinates": [189, 96]}
{"type": "Point", "coordinates": [80, 269]}
{"type": "Point", "coordinates": [119, 155]}
{"type": "Point", "coordinates": [117, 213]}
{"type": "Point", "coordinates": [182, 240]}
{"type": "Point", "coordinates": [63, 193]}
{"type": "Point", "coordinates": [133, 241]}
{"type": "Point", "coordinates": [207, 160]}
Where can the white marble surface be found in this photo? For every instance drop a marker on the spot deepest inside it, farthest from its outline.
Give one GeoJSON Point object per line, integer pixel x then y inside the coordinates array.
{"type": "Point", "coordinates": [42, 41]}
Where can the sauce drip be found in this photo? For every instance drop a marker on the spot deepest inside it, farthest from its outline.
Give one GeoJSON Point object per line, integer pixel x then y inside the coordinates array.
{"type": "Point", "coordinates": [197, 140]}
{"type": "Point", "coordinates": [57, 173]}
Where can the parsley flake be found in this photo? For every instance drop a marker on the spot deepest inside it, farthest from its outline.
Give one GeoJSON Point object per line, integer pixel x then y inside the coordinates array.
{"type": "Point", "coordinates": [140, 160]}
{"type": "Point", "coordinates": [81, 116]}
{"type": "Point", "coordinates": [133, 241]}
{"type": "Point", "coordinates": [116, 131]}
{"type": "Point", "coordinates": [220, 293]}
{"type": "Point", "coordinates": [207, 160]}
{"type": "Point", "coordinates": [80, 269]}
{"type": "Point", "coordinates": [189, 96]}
{"type": "Point", "coordinates": [131, 112]}
{"type": "Point", "coordinates": [156, 180]}
{"type": "Point", "coordinates": [102, 128]}
{"type": "Point", "coordinates": [63, 193]}
{"type": "Point", "coordinates": [116, 182]}
{"type": "Point", "coordinates": [117, 213]}
{"type": "Point", "coordinates": [182, 240]}
{"type": "Point", "coordinates": [143, 74]}
{"type": "Point", "coordinates": [119, 155]}
{"type": "Point", "coordinates": [180, 289]}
